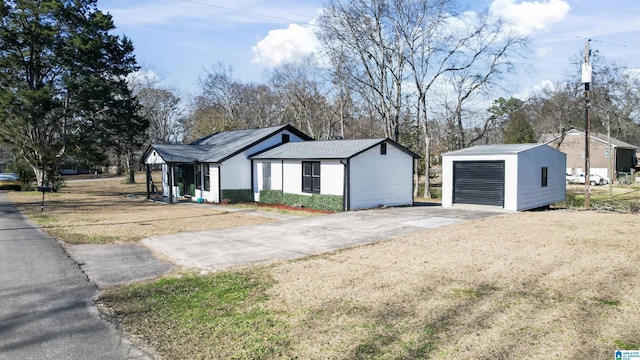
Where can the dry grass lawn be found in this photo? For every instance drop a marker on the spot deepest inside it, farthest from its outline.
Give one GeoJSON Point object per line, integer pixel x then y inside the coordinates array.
{"type": "Point", "coordinates": [99, 212]}
{"type": "Point", "coordinates": [543, 285]}
{"type": "Point", "coordinates": [537, 285]}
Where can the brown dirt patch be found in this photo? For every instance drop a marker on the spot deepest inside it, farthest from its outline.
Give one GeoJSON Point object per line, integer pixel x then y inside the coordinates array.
{"type": "Point", "coordinates": [541, 285]}
{"type": "Point", "coordinates": [110, 211]}
{"type": "Point", "coordinates": [292, 208]}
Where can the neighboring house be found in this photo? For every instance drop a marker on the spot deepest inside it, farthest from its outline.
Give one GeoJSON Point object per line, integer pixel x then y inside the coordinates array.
{"type": "Point", "coordinates": [515, 177]}
{"type": "Point", "coordinates": [623, 160]}
{"type": "Point", "coordinates": [239, 166]}
{"type": "Point", "coordinates": [347, 174]}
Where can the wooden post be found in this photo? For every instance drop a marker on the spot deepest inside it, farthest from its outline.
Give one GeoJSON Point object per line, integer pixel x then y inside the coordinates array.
{"type": "Point", "coordinates": [170, 167]}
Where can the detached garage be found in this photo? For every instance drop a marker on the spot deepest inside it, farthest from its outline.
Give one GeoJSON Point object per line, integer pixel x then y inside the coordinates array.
{"type": "Point", "coordinates": [515, 177]}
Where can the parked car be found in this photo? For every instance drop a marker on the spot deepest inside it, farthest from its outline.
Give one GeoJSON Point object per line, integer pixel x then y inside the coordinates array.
{"type": "Point", "coordinates": [594, 179]}
{"type": "Point", "coordinates": [10, 181]}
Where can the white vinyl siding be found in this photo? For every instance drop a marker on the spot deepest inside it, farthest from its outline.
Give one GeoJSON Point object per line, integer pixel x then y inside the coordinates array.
{"type": "Point", "coordinates": [331, 177]}
{"type": "Point", "coordinates": [213, 194]}
{"type": "Point", "coordinates": [276, 176]}
{"type": "Point", "coordinates": [378, 180]}
{"type": "Point", "coordinates": [236, 171]}
{"type": "Point", "coordinates": [530, 194]}
{"type": "Point", "coordinates": [332, 182]}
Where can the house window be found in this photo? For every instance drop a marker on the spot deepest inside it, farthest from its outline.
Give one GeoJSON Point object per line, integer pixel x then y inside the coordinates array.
{"type": "Point", "coordinates": [383, 149]}
{"type": "Point", "coordinates": [198, 176]}
{"type": "Point", "coordinates": [285, 138]}
{"type": "Point", "coordinates": [207, 178]}
{"type": "Point", "coordinates": [266, 176]}
{"type": "Point", "coordinates": [544, 176]}
{"type": "Point", "coordinates": [311, 176]}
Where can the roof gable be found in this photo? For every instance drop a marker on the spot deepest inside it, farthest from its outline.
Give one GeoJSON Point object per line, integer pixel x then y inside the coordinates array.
{"type": "Point", "coordinates": [496, 149]}
{"type": "Point", "coordinates": [549, 138]}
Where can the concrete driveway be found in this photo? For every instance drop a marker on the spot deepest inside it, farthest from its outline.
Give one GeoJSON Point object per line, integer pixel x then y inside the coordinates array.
{"type": "Point", "coordinates": [295, 238]}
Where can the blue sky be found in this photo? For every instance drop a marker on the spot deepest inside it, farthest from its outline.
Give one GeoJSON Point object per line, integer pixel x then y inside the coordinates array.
{"type": "Point", "coordinates": [180, 39]}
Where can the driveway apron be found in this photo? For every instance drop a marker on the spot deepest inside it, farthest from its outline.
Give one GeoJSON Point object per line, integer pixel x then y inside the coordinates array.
{"type": "Point", "coordinates": [220, 249]}
{"type": "Point", "coordinates": [47, 307]}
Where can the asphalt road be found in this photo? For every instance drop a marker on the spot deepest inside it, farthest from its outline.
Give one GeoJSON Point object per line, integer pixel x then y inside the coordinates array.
{"type": "Point", "coordinates": [46, 302]}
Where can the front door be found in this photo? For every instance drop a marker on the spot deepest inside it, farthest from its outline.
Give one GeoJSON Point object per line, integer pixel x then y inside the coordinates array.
{"type": "Point", "coordinates": [189, 179]}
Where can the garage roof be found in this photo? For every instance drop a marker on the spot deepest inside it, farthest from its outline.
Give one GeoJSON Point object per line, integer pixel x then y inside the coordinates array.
{"type": "Point", "coordinates": [498, 149]}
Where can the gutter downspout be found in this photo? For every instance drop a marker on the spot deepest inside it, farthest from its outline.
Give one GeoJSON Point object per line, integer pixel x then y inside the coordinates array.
{"type": "Point", "coordinates": [253, 189]}
{"type": "Point", "coordinates": [282, 177]}
{"type": "Point", "coordinates": [346, 194]}
{"type": "Point", "coordinates": [219, 184]}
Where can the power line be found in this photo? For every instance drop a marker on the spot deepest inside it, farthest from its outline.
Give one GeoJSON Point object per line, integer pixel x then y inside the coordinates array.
{"type": "Point", "coordinates": [248, 12]}
{"type": "Point", "coordinates": [609, 43]}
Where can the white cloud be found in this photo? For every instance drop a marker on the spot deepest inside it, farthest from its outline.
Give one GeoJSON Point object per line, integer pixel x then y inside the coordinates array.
{"type": "Point", "coordinates": [143, 78]}
{"type": "Point", "coordinates": [204, 14]}
{"type": "Point", "coordinates": [286, 45]}
{"type": "Point", "coordinates": [544, 84]}
{"type": "Point", "coordinates": [529, 16]}
{"type": "Point", "coordinates": [535, 89]}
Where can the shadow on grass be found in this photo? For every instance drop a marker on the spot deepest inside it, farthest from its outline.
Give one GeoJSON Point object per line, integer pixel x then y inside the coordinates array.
{"type": "Point", "coordinates": [140, 222]}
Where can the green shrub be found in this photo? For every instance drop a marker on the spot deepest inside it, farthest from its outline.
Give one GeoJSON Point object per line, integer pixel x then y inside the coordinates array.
{"type": "Point", "coordinates": [271, 197]}
{"type": "Point", "coordinates": [315, 201]}
{"type": "Point", "coordinates": [233, 196]}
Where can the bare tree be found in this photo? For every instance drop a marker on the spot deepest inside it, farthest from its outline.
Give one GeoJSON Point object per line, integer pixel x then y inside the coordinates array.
{"type": "Point", "coordinates": [301, 86]}
{"type": "Point", "coordinates": [366, 34]}
{"type": "Point", "coordinates": [162, 108]}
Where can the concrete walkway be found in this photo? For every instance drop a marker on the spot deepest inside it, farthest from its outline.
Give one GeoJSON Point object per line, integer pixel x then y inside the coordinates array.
{"type": "Point", "coordinates": [221, 249]}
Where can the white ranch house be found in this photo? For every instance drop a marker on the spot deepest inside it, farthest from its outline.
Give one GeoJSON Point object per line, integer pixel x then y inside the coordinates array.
{"type": "Point", "coordinates": [283, 163]}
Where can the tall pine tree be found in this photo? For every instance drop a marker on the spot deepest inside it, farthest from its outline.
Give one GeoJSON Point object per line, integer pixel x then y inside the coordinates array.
{"type": "Point", "coordinates": [62, 83]}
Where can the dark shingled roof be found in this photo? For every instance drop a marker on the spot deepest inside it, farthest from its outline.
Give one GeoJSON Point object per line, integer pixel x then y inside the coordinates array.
{"type": "Point", "coordinates": [220, 146]}
{"type": "Point", "coordinates": [174, 153]}
{"type": "Point", "coordinates": [331, 149]}
{"type": "Point", "coordinates": [498, 149]}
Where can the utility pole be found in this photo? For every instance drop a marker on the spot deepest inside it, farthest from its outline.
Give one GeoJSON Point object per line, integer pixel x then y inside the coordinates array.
{"type": "Point", "coordinates": [610, 157]}
{"type": "Point", "coordinates": [586, 79]}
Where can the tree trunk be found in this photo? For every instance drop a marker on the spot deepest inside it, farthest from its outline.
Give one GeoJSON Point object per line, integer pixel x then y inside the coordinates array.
{"type": "Point", "coordinates": [427, 163]}
{"type": "Point", "coordinates": [130, 173]}
{"type": "Point", "coordinates": [39, 173]}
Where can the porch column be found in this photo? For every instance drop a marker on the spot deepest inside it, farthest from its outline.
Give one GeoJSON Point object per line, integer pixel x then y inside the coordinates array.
{"type": "Point", "coordinates": [202, 181]}
{"type": "Point", "coordinates": [170, 167]}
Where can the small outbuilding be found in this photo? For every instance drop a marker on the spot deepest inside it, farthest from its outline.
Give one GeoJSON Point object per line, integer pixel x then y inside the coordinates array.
{"type": "Point", "coordinates": [515, 177]}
